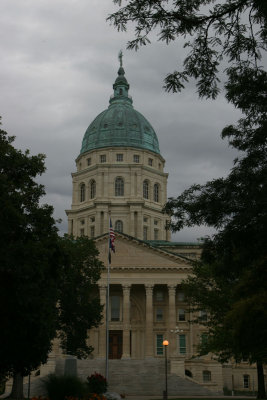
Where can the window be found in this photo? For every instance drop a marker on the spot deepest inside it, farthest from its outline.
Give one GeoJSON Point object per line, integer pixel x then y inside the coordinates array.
{"type": "Point", "coordinates": [82, 232]}
{"type": "Point", "coordinates": [103, 158]}
{"type": "Point", "coordinates": [181, 314]}
{"type": "Point", "coordinates": [206, 376]}
{"type": "Point", "coordinates": [82, 221]}
{"type": "Point", "coordinates": [115, 308]}
{"type": "Point", "coordinates": [156, 192]}
{"type": "Point", "coordinates": [145, 233]}
{"type": "Point", "coordinates": [159, 314]}
{"type": "Point", "coordinates": [156, 234]}
{"type": "Point", "coordinates": [88, 161]}
{"type": "Point", "coordinates": [145, 189]}
{"type": "Point", "coordinates": [188, 373]}
{"type": "Point", "coordinates": [92, 189]}
{"type": "Point", "coordinates": [159, 345]}
{"type": "Point", "coordinates": [82, 192]}
{"type": "Point", "coordinates": [136, 158]}
{"type": "Point", "coordinates": [180, 296]}
{"type": "Point", "coordinates": [92, 231]}
{"type": "Point", "coordinates": [150, 162]}
{"type": "Point", "coordinates": [145, 219]}
{"type": "Point", "coordinates": [119, 226]}
{"type": "Point", "coordinates": [203, 316]}
{"type": "Point", "coordinates": [182, 344]}
{"type": "Point", "coordinates": [159, 295]}
{"type": "Point", "coordinates": [119, 157]}
{"type": "Point", "coordinates": [204, 338]}
{"type": "Point", "coordinates": [155, 222]}
{"type": "Point", "coordinates": [92, 219]}
{"type": "Point", "coordinates": [119, 187]}
{"type": "Point", "coordinates": [246, 381]}
{"type": "Point", "coordinates": [120, 92]}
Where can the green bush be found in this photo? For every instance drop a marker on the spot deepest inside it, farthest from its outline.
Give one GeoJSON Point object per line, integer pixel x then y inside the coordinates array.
{"type": "Point", "coordinates": [97, 383]}
{"type": "Point", "coordinates": [58, 387]}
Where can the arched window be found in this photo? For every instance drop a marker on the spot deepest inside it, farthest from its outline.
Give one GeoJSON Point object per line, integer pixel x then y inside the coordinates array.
{"type": "Point", "coordinates": [92, 189]}
{"type": "Point", "coordinates": [206, 376]}
{"type": "Point", "coordinates": [119, 226]}
{"type": "Point", "coordinates": [82, 192]}
{"type": "Point", "coordinates": [145, 189]}
{"type": "Point", "coordinates": [156, 192]}
{"type": "Point", "coordinates": [119, 187]}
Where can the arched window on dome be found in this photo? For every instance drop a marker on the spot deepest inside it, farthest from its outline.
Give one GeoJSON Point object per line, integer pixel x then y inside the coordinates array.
{"type": "Point", "coordinates": [119, 226]}
{"type": "Point", "coordinates": [119, 187]}
{"type": "Point", "coordinates": [92, 189]}
{"type": "Point", "coordinates": [156, 192]}
{"type": "Point", "coordinates": [82, 192]}
{"type": "Point", "coordinates": [146, 189]}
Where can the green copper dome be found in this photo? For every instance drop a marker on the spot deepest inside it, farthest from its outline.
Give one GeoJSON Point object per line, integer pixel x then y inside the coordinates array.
{"type": "Point", "coordinates": [120, 125]}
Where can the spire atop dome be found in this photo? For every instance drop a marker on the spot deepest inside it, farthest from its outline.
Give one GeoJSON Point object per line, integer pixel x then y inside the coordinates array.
{"type": "Point", "coordinates": [121, 86]}
{"type": "Point", "coordinates": [120, 57]}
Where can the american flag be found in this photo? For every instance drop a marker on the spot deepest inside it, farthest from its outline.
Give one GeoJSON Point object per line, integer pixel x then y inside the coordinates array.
{"type": "Point", "coordinates": [111, 240]}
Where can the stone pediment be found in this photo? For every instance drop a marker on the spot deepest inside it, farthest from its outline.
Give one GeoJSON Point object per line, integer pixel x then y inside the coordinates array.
{"type": "Point", "coordinates": [132, 253]}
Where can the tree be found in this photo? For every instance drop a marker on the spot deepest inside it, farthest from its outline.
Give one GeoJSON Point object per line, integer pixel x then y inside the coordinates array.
{"type": "Point", "coordinates": [37, 268]}
{"type": "Point", "coordinates": [230, 280]}
{"type": "Point", "coordinates": [233, 30]}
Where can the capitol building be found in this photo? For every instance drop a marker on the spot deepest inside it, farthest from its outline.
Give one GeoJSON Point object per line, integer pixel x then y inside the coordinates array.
{"type": "Point", "coordinates": [120, 174]}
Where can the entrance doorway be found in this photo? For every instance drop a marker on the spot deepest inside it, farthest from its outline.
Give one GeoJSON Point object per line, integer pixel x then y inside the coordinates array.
{"type": "Point", "coordinates": [115, 344]}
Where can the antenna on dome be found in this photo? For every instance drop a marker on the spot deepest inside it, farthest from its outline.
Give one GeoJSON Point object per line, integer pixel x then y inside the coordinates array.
{"type": "Point", "coordinates": [120, 57]}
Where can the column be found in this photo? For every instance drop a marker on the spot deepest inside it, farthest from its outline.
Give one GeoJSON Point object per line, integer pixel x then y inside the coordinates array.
{"type": "Point", "coordinates": [102, 327]}
{"type": "Point", "coordinates": [149, 337]}
{"type": "Point", "coordinates": [126, 321]}
{"type": "Point", "coordinates": [172, 319]}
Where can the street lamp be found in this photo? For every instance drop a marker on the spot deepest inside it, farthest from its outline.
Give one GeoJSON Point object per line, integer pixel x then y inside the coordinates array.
{"type": "Point", "coordinates": [165, 392]}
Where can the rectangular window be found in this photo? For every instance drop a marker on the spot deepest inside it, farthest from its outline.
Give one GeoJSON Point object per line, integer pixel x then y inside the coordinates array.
{"type": "Point", "coordinates": [88, 161]}
{"type": "Point", "coordinates": [156, 234]}
{"type": "Point", "coordinates": [155, 222]}
{"type": "Point", "coordinates": [82, 221]}
{"type": "Point", "coordinates": [159, 296]}
{"type": "Point", "coordinates": [180, 296]}
{"type": "Point", "coordinates": [159, 314]}
{"type": "Point", "coordinates": [103, 158]}
{"type": "Point", "coordinates": [136, 158]}
{"type": "Point", "coordinates": [92, 219]}
{"type": "Point", "coordinates": [159, 345]}
{"type": "Point", "coordinates": [115, 308]}
{"type": "Point", "coordinates": [82, 232]}
{"type": "Point", "coordinates": [145, 233]}
{"type": "Point", "coordinates": [150, 162]}
{"type": "Point", "coordinates": [182, 344]}
{"type": "Point", "coordinates": [246, 381]}
{"type": "Point", "coordinates": [203, 316]}
{"type": "Point", "coordinates": [92, 231]}
{"type": "Point", "coordinates": [181, 314]}
{"type": "Point", "coordinates": [145, 219]}
{"type": "Point", "coordinates": [119, 157]}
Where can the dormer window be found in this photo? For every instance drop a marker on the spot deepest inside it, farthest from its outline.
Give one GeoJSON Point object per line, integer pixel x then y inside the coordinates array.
{"type": "Point", "coordinates": [120, 92]}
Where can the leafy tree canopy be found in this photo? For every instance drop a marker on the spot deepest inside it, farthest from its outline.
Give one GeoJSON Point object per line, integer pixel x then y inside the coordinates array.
{"type": "Point", "coordinates": [47, 282]}
{"type": "Point", "coordinates": [233, 30]}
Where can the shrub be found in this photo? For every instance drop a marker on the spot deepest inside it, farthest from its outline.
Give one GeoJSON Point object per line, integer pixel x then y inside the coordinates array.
{"type": "Point", "coordinates": [60, 387]}
{"type": "Point", "coordinates": [97, 383]}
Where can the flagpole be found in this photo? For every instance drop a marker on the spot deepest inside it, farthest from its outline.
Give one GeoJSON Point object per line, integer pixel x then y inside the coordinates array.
{"type": "Point", "coordinates": [107, 306]}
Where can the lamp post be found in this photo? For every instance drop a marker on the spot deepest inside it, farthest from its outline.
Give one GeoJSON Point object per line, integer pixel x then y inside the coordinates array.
{"type": "Point", "coordinates": [165, 392]}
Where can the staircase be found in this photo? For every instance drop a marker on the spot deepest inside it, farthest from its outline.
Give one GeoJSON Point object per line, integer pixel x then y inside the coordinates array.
{"type": "Point", "coordinates": [142, 377]}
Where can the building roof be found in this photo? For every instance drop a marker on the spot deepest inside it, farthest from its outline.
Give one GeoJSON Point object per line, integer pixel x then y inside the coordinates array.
{"type": "Point", "coordinates": [120, 125]}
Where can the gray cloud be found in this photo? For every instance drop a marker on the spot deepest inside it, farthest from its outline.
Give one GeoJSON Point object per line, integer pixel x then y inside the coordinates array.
{"type": "Point", "coordinates": [59, 61]}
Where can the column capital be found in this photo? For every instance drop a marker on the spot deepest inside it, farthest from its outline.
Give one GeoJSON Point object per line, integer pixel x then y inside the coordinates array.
{"type": "Point", "coordinates": [126, 288]}
{"type": "Point", "coordinates": [172, 289]}
{"type": "Point", "coordinates": [102, 287]}
{"type": "Point", "coordinates": [149, 288]}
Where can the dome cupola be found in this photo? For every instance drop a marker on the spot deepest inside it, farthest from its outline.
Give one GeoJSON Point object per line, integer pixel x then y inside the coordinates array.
{"type": "Point", "coordinates": [120, 125]}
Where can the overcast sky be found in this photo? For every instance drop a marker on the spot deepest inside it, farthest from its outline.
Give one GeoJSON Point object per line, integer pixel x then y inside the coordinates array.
{"type": "Point", "coordinates": [59, 60]}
